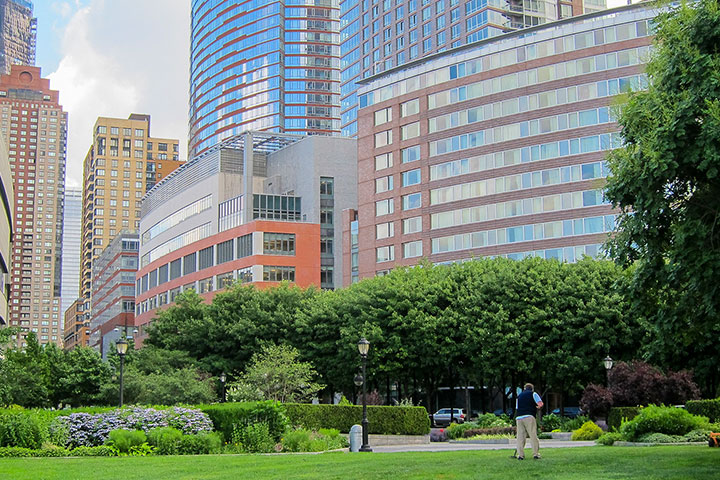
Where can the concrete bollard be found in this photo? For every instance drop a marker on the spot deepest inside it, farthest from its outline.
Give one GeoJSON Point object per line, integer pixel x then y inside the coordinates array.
{"type": "Point", "coordinates": [355, 438]}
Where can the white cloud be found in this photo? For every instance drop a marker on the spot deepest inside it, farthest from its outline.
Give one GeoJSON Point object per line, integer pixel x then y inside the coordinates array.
{"type": "Point", "coordinates": [120, 58]}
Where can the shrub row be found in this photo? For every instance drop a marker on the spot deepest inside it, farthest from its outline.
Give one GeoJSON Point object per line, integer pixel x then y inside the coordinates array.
{"type": "Point", "coordinates": [620, 414]}
{"type": "Point", "coordinates": [382, 420]}
{"type": "Point", "coordinates": [705, 408]}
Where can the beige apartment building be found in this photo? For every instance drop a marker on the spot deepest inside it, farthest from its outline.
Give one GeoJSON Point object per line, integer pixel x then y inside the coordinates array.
{"type": "Point", "coordinates": [34, 127]}
{"type": "Point", "coordinates": [122, 164]}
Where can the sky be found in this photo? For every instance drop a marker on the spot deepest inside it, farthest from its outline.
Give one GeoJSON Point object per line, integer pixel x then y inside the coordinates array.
{"type": "Point", "coordinates": [112, 58]}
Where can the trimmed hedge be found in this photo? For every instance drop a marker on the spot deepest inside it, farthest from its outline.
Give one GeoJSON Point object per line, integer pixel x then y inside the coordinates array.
{"type": "Point", "coordinates": [226, 415]}
{"type": "Point", "coordinates": [618, 414]}
{"type": "Point", "coordinates": [705, 408]}
{"type": "Point", "coordinates": [382, 420]}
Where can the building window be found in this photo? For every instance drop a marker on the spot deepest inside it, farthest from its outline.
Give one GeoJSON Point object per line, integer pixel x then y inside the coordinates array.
{"type": "Point", "coordinates": [326, 186]}
{"type": "Point", "coordinates": [206, 285]}
{"type": "Point", "coordinates": [244, 275]}
{"type": "Point", "coordinates": [326, 277]}
{"type": "Point", "coordinates": [384, 207]}
{"type": "Point", "coordinates": [189, 264]}
{"type": "Point", "coordinates": [224, 280]}
{"type": "Point", "coordinates": [224, 252]}
{"type": "Point", "coordinates": [412, 249]}
{"type": "Point", "coordinates": [411, 177]}
{"type": "Point", "coordinates": [326, 216]}
{"type": "Point", "coordinates": [384, 230]}
{"type": "Point", "coordinates": [383, 184]}
{"type": "Point", "coordinates": [163, 274]}
{"type": "Point", "coordinates": [278, 274]}
{"type": "Point", "coordinates": [174, 293]}
{"type": "Point", "coordinates": [410, 154]}
{"type": "Point", "coordinates": [412, 225]}
{"type": "Point", "coordinates": [383, 116]}
{"type": "Point", "coordinates": [411, 107]}
{"type": "Point", "coordinates": [411, 130]}
{"type": "Point", "coordinates": [326, 245]}
{"type": "Point", "coordinates": [278, 243]}
{"type": "Point", "coordinates": [409, 202]}
{"type": "Point", "coordinates": [384, 161]}
{"type": "Point", "coordinates": [385, 254]}
{"type": "Point", "coordinates": [383, 138]}
{"type": "Point", "coordinates": [175, 269]}
{"type": "Point", "coordinates": [153, 279]}
{"type": "Point", "coordinates": [205, 258]}
{"type": "Point", "coordinates": [244, 246]}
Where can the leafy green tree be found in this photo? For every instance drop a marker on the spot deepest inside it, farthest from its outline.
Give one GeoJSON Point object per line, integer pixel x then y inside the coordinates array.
{"type": "Point", "coordinates": [275, 373]}
{"type": "Point", "coordinates": [666, 182]}
{"type": "Point", "coordinates": [81, 377]}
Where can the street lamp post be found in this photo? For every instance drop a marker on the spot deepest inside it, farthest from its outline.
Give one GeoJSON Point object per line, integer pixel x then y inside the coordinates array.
{"type": "Point", "coordinates": [363, 347]}
{"type": "Point", "coordinates": [122, 346]}
{"type": "Point", "coordinates": [223, 378]}
{"type": "Point", "coordinates": [608, 366]}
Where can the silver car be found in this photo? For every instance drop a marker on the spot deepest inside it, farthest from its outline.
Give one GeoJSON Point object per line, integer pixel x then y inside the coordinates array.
{"type": "Point", "coordinates": [442, 416]}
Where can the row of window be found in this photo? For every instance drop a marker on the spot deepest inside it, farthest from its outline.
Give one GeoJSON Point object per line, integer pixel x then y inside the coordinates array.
{"type": "Point", "coordinates": [508, 57]}
{"type": "Point", "coordinates": [548, 73]}
{"type": "Point", "coordinates": [520, 181]}
{"type": "Point", "coordinates": [513, 208]}
{"type": "Point", "coordinates": [177, 217]}
{"type": "Point", "coordinates": [524, 233]}
{"type": "Point", "coordinates": [229, 250]}
{"type": "Point", "coordinates": [550, 98]}
{"type": "Point", "coordinates": [218, 282]}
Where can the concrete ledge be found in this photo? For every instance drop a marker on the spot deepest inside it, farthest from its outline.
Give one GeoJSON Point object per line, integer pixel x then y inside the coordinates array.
{"type": "Point", "coordinates": [488, 441]}
{"type": "Point", "coordinates": [389, 440]}
{"type": "Point", "coordinates": [561, 435]}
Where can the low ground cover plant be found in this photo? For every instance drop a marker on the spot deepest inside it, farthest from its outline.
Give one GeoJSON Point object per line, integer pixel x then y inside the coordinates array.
{"type": "Point", "coordinates": [302, 440]}
{"type": "Point", "coordinates": [666, 420]}
{"type": "Point", "coordinates": [588, 431]}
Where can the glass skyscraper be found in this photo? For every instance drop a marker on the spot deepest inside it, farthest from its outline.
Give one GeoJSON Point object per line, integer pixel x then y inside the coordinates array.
{"type": "Point", "coordinates": [269, 65]}
{"type": "Point", "coordinates": [17, 34]}
{"type": "Point", "coordinates": [72, 228]}
{"type": "Point", "coordinates": [377, 35]}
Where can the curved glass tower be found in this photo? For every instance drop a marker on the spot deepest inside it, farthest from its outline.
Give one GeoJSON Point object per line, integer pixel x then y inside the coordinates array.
{"type": "Point", "coordinates": [270, 65]}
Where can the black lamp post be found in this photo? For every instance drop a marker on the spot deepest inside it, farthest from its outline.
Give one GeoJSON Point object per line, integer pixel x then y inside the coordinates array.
{"type": "Point", "coordinates": [608, 366]}
{"type": "Point", "coordinates": [122, 346]}
{"type": "Point", "coordinates": [223, 378]}
{"type": "Point", "coordinates": [363, 347]}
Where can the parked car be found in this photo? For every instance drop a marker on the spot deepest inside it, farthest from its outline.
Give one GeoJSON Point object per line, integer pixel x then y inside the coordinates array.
{"type": "Point", "coordinates": [442, 417]}
{"type": "Point", "coordinates": [570, 412]}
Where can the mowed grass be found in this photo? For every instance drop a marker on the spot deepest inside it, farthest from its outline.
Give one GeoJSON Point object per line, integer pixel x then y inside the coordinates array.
{"type": "Point", "coordinates": [669, 462]}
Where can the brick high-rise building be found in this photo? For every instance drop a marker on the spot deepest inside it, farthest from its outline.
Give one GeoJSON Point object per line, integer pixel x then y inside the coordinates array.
{"type": "Point", "coordinates": [496, 148]}
{"type": "Point", "coordinates": [34, 127]}
{"type": "Point", "coordinates": [17, 34]}
{"type": "Point", "coordinates": [122, 164]}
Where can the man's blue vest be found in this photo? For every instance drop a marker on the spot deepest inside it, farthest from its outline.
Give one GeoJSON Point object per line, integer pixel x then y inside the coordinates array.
{"type": "Point", "coordinates": [526, 404]}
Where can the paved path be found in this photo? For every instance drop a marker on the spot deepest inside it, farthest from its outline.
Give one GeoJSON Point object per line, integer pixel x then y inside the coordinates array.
{"type": "Point", "coordinates": [447, 446]}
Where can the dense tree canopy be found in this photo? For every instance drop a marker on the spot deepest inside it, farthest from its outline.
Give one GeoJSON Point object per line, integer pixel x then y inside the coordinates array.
{"type": "Point", "coordinates": [666, 181]}
{"type": "Point", "coordinates": [489, 322]}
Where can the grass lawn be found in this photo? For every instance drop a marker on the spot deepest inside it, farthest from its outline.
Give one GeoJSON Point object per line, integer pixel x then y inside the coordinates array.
{"type": "Point", "coordinates": [671, 462]}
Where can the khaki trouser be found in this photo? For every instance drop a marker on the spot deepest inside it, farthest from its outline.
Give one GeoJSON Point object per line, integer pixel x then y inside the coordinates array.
{"type": "Point", "coordinates": [527, 427]}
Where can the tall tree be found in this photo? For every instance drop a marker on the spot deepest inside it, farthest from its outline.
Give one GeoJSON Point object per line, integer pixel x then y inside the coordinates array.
{"type": "Point", "coordinates": [666, 182]}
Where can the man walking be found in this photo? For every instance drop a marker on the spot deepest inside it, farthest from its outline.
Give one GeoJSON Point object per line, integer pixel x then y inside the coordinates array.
{"type": "Point", "coordinates": [528, 403]}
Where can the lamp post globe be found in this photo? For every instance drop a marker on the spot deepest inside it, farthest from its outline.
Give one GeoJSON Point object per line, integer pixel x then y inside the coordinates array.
{"type": "Point", "coordinates": [223, 378]}
{"type": "Point", "coordinates": [608, 362]}
{"type": "Point", "coordinates": [122, 347]}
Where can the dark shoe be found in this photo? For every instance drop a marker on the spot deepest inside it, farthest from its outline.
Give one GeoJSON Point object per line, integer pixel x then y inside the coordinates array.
{"type": "Point", "coordinates": [521, 458]}
{"type": "Point", "coordinates": [536, 457]}
{"type": "Point", "coordinates": [513, 456]}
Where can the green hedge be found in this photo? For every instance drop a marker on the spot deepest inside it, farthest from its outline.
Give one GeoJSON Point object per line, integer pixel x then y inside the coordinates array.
{"type": "Point", "coordinates": [226, 415]}
{"type": "Point", "coordinates": [618, 414]}
{"type": "Point", "coordinates": [382, 420]}
{"type": "Point", "coordinates": [705, 408]}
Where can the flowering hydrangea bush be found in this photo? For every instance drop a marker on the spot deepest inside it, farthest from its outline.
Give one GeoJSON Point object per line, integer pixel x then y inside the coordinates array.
{"type": "Point", "coordinates": [91, 430]}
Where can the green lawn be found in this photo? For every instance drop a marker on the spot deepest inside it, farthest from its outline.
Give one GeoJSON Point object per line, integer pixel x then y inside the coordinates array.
{"type": "Point", "coordinates": [671, 462]}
